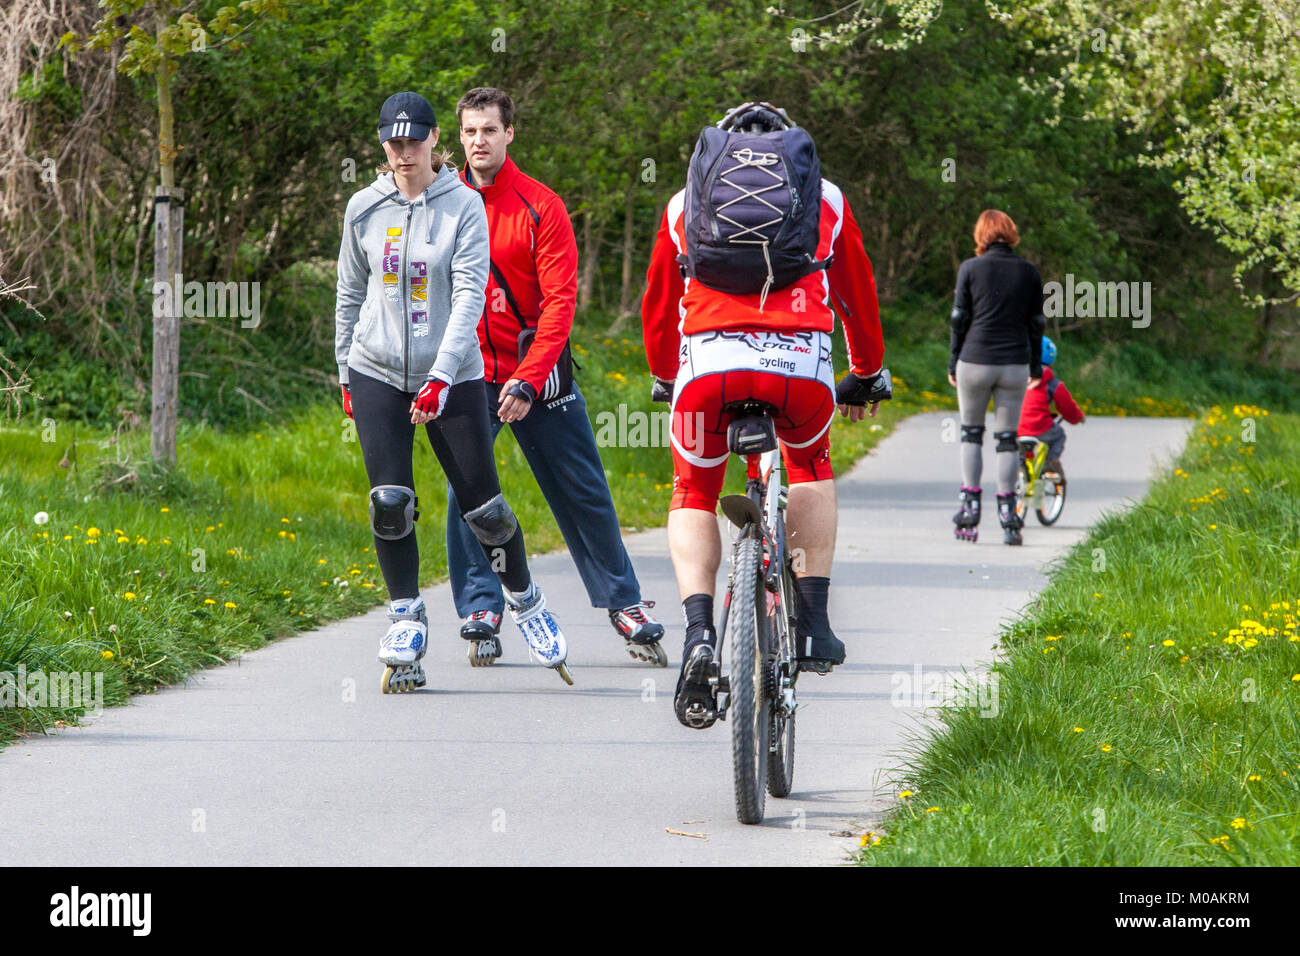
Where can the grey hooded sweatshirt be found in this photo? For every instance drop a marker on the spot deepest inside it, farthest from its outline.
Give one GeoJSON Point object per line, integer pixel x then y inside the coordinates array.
{"type": "Point", "coordinates": [411, 283]}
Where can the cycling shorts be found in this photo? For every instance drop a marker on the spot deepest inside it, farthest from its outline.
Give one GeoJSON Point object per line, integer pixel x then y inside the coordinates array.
{"type": "Point", "coordinates": [791, 371]}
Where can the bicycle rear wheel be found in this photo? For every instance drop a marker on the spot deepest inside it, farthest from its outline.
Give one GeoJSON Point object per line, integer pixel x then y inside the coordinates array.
{"type": "Point", "coordinates": [1022, 490]}
{"type": "Point", "coordinates": [781, 629]}
{"type": "Point", "coordinates": [748, 707]}
{"type": "Point", "coordinates": [1053, 499]}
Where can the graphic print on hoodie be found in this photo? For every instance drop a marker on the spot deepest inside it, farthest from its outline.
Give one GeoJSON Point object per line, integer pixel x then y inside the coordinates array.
{"type": "Point", "coordinates": [411, 281]}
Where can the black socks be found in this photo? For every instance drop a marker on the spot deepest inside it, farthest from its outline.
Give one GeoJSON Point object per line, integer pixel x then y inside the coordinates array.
{"type": "Point", "coordinates": [698, 609]}
{"type": "Point", "coordinates": [813, 620]}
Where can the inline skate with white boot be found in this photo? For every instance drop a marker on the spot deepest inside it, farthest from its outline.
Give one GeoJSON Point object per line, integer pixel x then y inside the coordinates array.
{"type": "Point", "coordinates": [403, 646]}
{"type": "Point", "coordinates": [540, 629]}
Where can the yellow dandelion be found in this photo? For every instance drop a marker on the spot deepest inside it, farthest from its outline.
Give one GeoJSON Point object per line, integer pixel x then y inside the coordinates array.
{"type": "Point", "coordinates": [164, 509]}
{"type": "Point", "coordinates": [129, 595]}
{"type": "Point", "coordinates": [1253, 777]}
{"type": "Point", "coordinates": [905, 794]}
{"type": "Point", "coordinates": [1105, 748]}
{"type": "Point", "coordinates": [320, 561]}
{"type": "Point", "coordinates": [1078, 730]}
{"type": "Point", "coordinates": [107, 655]}
{"type": "Point", "coordinates": [284, 521]}
{"type": "Point", "coordinates": [1167, 643]}
{"type": "Point", "coordinates": [209, 601]}
{"type": "Point", "coordinates": [931, 809]}
{"type": "Point", "coordinates": [231, 604]}
{"type": "Point", "coordinates": [92, 532]}
{"type": "Point", "coordinates": [1238, 824]}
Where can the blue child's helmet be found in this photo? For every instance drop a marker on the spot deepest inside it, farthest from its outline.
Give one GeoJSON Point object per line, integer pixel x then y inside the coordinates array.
{"type": "Point", "coordinates": [1049, 351]}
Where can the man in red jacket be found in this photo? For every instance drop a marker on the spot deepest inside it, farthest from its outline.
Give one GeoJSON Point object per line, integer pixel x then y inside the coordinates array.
{"type": "Point", "coordinates": [713, 348]}
{"type": "Point", "coordinates": [532, 285]}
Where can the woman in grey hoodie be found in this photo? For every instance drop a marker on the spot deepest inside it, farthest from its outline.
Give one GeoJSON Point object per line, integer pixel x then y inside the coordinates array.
{"type": "Point", "coordinates": [413, 267]}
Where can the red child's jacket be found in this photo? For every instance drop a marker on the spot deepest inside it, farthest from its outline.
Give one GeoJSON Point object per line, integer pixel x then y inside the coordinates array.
{"type": "Point", "coordinates": [534, 277]}
{"type": "Point", "coordinates": [1036, 411]}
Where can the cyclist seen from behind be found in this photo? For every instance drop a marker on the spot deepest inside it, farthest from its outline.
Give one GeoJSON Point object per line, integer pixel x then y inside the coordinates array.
{"type": "Point", "coordinates": [747, 264]}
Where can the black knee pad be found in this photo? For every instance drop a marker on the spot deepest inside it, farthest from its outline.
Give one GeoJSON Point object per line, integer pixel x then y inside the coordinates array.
{"type": "Point", "coordinates": [492, 522]}
{"type": "Point", "coordinates": [973, 434]}
{"type": "Point", "coordinates": [1006, 441]}
{"type": "Point", "coordinates": [392, 511]}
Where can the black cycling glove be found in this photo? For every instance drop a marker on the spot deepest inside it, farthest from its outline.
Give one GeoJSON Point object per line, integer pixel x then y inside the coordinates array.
{"type": "Point", "coordinates": [856, 390]}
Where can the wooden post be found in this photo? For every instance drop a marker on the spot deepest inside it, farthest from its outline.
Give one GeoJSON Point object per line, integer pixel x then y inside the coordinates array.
{"type": "Point", "coordinates": [169, 229]}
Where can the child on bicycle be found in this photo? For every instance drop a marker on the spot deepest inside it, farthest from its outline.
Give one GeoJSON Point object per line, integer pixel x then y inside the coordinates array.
{"type": "Point", "coordinates": [1036, 416]}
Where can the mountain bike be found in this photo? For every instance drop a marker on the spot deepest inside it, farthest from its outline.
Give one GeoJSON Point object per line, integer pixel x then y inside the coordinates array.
{"type": "Point", "coordinates": [758, 621]}
{"type": "Point", "coordinates": [1046, 490]}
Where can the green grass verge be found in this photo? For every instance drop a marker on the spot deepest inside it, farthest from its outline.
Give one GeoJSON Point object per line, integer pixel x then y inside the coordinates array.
{"type": "Point", "coordinates": [1149, 699]}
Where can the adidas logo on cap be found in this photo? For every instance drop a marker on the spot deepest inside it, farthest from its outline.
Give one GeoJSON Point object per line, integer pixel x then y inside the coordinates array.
{"type": "Point", "coordinates": [402, 115]}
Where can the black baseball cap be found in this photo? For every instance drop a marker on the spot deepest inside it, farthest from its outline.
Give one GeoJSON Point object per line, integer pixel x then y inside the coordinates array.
{"type": "Point", "coordinates": [406, 114]}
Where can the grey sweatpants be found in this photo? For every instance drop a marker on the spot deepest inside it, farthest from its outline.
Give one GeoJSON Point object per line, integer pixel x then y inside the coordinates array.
{"type": "Point", "coordinates": [976, 384]}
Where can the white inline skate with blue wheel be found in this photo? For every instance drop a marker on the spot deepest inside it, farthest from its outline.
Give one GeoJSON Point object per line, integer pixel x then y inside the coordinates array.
{"type": "Point", "coordinates": [403, 646]}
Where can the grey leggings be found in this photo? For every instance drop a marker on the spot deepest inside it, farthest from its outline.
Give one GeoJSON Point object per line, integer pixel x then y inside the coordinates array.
{"type": "Point", "coordinates": [976, 384]}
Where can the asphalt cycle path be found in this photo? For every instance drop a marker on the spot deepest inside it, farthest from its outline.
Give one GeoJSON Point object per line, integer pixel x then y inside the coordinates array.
{"type": "Point", "coordinates": [292, 756]}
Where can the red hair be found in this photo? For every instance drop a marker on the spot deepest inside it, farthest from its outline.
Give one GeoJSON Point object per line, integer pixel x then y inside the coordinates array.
{"type": "Point", "coordinates": [992, 226]}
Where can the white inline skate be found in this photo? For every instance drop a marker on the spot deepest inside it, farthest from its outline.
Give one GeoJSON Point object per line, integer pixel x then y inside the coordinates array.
{"type": "Point", "coordinates": [540, 629]}
{"type": "Point", "coordinates": [482, 629]}
{"type": "Point", "coordinates": [403, 646]}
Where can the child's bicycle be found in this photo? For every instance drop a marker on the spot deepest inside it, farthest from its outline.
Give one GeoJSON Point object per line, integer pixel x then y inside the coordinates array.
{"type": "Point", "coordinates": [1045, 490]}
{"type": "Point", "coordinates": [758, 621]}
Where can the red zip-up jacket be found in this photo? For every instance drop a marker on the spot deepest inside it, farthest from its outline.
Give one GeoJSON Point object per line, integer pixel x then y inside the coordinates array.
{"type": "Point", "coordinates": [534, 275]}
{"type": "Point", "coordinates": [1036, 410]}
{"type": "Point", "coordinates": [674, 306]}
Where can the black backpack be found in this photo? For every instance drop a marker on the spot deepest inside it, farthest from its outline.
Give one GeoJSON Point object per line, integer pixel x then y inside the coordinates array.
{"type": "Point", "coordinates": [753, 210]}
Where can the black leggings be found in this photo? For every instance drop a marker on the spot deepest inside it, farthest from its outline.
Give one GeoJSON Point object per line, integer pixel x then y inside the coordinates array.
{"type": "Point", "coordinates": [462, 442]}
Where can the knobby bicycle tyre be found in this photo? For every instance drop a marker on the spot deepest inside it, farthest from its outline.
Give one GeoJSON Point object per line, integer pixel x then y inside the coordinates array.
{"type": "Point", "coordinates": [748, 710]}
{"type": "Point", "coordinates": [780, 758]}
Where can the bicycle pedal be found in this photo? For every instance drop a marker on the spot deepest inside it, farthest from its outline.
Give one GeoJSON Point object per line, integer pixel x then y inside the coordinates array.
{"type": "Point", "coordinates": [816, 667]}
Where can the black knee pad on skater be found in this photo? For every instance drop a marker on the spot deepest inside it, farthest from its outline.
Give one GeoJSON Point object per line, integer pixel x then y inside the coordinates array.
{"type": "Point", "coordinates": [973, 434]}
{"type": "Point", "coordinates": [1006, 441]}
{"type": "Point", "coordinates": [392, 511]}
{"type": "Point", "coordinates": [492, 522]}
